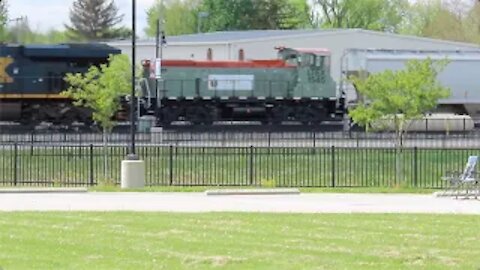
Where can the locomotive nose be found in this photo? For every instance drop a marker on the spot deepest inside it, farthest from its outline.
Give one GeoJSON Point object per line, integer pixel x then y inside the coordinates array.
{"type": "Point", "coordinates": [4, 63]}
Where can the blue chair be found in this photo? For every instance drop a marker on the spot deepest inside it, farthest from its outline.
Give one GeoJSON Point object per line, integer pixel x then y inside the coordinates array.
{"type": "Point", "coordinates": [466, 180]}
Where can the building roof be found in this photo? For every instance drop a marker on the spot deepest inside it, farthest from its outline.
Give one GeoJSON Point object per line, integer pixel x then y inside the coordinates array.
{"type": "Point", "coordinates": [227, 37]}
{"type": "Point", "coordinates": [232, 36]}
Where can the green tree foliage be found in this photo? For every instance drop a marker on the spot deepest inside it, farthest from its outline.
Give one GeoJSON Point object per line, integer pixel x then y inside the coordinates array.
{"type": "Point", "coordinates": [398, 97]}
{"type": "Point", "coordinates": [100, 88]}
{"type": "Point", "coordinates": [255, 14]}
{"type": "Point", "coordinates": [381, 15]}
{"type": "Point", "coordinates": [179, 16]}
{"type": "Point", "coordinates": [94, 19]}
{"type": "Point", "coordinates": [20, 31]}
{"type": "Point", "coordinates": [456, 20]}
{"type": "Point", "coordinates": [409, 92]}
{"type": "Point", "coordinates": [3, 19]}
{"type": "Point", "coordinates": [471, 25]}
{"type": "Point", "coordinates": [432, 18]}
{"type": "Point", "coordinates": [182, 16]}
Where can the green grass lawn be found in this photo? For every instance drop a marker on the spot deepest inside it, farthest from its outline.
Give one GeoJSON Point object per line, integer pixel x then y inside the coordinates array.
{"type": "Point", "coordinates": [72, 240]}
{"type": "Point", "coordinates": [202, 166]}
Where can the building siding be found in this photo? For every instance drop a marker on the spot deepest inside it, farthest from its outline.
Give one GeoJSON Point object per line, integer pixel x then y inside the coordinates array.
{"type": "Point", "coordinates": [336, 41]}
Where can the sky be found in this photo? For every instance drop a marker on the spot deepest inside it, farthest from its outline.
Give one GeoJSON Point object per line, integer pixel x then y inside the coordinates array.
{"type": "Point", "coordinates": [46, 14]}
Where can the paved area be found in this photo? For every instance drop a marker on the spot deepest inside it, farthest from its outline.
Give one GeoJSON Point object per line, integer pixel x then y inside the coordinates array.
{"type": "Point", "coordinates": [199, 202]}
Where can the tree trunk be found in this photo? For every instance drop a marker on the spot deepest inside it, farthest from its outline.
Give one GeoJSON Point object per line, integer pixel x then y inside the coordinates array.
{"type": "Point", "coordinates": [399, 159]}
{"type": "Point", "coordinates": [105, 162]}
{"type": "Point", "coordinates": [398, 151]}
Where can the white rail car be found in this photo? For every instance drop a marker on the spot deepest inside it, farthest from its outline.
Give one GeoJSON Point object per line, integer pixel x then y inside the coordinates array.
{"type": "Point", "coordinates": [461, 75]}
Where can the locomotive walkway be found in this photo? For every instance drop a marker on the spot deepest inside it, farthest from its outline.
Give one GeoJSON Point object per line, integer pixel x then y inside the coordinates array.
{"type": "Point", "coordinates": [199, 202]}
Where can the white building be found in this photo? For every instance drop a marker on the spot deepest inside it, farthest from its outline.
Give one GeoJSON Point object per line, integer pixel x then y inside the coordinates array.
{"type": "Point", "coordinates": [260, 44]}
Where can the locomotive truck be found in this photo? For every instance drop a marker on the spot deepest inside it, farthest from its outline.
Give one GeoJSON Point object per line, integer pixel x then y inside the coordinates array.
{"type": "Point", "coordinates": [32, 77]}
{"type": "Point", "coordinates": [296, 87]}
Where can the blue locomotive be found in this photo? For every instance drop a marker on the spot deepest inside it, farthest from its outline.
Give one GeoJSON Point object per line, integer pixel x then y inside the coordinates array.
{"type": "Point", "coordinates": [32, 77]}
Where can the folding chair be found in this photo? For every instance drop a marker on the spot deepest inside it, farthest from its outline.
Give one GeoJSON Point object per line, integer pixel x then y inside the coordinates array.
{"type": "Point", "coordinates": [467, 179]}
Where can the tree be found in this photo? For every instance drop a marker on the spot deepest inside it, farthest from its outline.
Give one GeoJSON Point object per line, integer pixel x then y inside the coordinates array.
{"type": "Point", "coordinates": [255, 14]}
{"type": "Point", "coordinates": [454, 20]}
{"type": "Point", "coordinates": [100, 90]}
{"type": "Point", "coordinates": [3, 19]}
{"type": "Point", "coordinates": [471, 25]}
{"type": "Point", "coordinates": [433, 19]}
{"type": "Point", "coordinates": [20, 31]}
{"type": "Point", "coordinates": [380, 15]}
{"type": "Point", "coordinates": [398, 97]}
{"type": "Point", "coordinates": [179, 16]}
{"type": "Point", "coordinates": [93, 19]}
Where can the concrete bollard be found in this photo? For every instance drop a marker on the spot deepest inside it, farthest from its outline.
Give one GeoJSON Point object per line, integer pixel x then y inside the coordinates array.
{"type": "Point", "coordinates": [156, 135]}
{"type": "Point", "coordinates": [133, 174]}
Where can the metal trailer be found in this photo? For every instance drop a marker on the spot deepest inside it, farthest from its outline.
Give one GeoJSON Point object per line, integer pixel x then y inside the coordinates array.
{"type": "Point", "coordinates": [461, 74]}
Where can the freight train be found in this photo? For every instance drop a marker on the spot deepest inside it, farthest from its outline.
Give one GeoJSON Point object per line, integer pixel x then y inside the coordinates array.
{"type": "Point", "coordinates": [296, 87]}
{"type": "Point", "coordinates": [32, 77]}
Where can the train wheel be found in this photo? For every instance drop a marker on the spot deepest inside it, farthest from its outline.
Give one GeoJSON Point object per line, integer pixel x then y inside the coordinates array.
{"type": "Point", "coordinates": [30, 117]}
{"type": "Point", "coordinates": [279, 114]}
{"type": "Point", "coordinates": [167, 116]}
{"type": "Point", "coordinates": [199, 115]}
{"type": "Point", "coordinates": [69, 117]}
{"type": "Point", "coordinates": [309, 115]}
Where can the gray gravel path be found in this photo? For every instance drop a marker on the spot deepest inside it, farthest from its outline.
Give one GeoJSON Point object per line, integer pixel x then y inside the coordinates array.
{"type": "Point", "coordinates": [199, 202]}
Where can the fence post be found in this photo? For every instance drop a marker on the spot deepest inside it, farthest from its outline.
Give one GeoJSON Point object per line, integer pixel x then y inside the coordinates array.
{"type": "Point", "coordinates": [251, 165]}
{"type": "Point", "coordinates": [333, 166]}
{"type": "Point", "coordinates": [415, 167]}
{"type": "Point", "coordinates": [15, 160]}
{"type": "Point", "coordinates": [31, 143]}
{"type": "Point", "coordinates": [171, 165]}
{"type": "Point", "coordinates": [92, 179]}
{"type": "Point", "coordinates": [314, 139]}
{"type": "Point", "coordinates": [269, 139]}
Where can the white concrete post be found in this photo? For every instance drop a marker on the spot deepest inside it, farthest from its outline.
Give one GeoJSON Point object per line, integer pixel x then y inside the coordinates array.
{"type": "Point", "coordinates": [133, 174]}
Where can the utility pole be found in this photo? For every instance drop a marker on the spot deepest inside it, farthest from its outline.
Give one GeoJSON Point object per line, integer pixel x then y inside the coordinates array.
{"type": "Point", "coordinates": [132, 102]}
{"type": "Point", "coordinates": [133, 169]}
{"type": "Point", "coordinates": [200, 16]}
{"type": "Point", "coordinates": [20, 28]}
{"type": "Point", "coordinates": [160, 40]}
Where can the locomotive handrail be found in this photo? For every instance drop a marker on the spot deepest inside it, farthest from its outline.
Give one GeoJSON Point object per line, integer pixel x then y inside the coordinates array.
{"type": "Point", "coordinates": [283, 86]}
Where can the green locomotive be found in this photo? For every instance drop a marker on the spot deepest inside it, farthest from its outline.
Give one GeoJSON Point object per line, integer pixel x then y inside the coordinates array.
{"type": "Point", "coordinates": [296, 87]}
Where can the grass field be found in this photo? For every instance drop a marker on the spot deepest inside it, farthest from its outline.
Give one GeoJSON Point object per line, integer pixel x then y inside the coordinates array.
{"type": "Point", "coordinates": [125, 240]}
{"type": "Point", "coordinates": [191, 166]}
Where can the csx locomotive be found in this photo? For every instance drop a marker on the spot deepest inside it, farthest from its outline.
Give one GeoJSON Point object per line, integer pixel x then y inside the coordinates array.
{"type": "Point", "coordinates": [295, 87]}
{"type": "Point", "coordinates": [32, 77]}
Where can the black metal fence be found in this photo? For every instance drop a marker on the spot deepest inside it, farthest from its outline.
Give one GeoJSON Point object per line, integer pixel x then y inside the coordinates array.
{"type": "Point", "coordinates": [81, 165]}
{"type": "Point", "coordinates": [257, 139]}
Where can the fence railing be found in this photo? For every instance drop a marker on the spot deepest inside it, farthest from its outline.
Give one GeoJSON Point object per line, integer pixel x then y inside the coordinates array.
{"type": "Point", "coordinates": [257, 139]}
{"type": "Point", "coordinates": [86, 165]}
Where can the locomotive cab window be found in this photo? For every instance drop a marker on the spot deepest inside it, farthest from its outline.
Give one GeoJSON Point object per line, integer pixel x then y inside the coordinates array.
{"type": "Point", "coordinates": [292, 60]}
{"type": "Point", "coordinates": [319, 60]}
{"type": "Point", "coordinates": [308, 60]}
